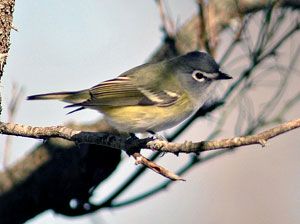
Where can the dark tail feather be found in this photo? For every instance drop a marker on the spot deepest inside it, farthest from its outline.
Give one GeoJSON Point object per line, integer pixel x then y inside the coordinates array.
{"type": "Point", "coordinates": [76, 98]}
{"type": "Point", "coordinates": [79, 105]}
{"type": "Point", "coordinates": [50, 96]}
{"type": "Point", "coordinates": [70, 97]}
{"type": "Point", "coordinates": [78, 109]}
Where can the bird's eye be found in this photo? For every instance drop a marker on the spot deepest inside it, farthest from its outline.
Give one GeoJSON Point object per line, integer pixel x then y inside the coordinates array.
{"type": "Point", "coordinates": [198, 76]}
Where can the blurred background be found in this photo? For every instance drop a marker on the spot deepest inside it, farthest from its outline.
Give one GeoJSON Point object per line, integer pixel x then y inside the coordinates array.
{"type": "Point", "coordinates": [70, 45]}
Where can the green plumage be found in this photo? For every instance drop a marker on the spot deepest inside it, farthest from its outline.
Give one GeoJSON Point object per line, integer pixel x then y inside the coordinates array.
{"type": "Point", "coordinates": [153, 96]}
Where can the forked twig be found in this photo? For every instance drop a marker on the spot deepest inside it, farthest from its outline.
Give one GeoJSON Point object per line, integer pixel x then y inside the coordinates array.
{"type": "Point", "coordinates": [121, 142]}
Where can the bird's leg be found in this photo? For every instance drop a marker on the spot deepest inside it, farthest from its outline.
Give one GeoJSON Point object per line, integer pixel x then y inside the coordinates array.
{"type": "Point", "coordinates": [132, 136]}
{"type": "Point", "coordinates": [157, 136]}
{"type": "Point", "coordinates": [130, 140]}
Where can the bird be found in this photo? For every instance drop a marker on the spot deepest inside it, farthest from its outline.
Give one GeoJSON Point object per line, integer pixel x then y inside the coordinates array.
{"type": "Point", "coordinates": [151, 97]}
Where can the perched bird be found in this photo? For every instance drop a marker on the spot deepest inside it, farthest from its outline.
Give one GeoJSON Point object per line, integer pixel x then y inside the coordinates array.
{"type": "Point", "coordinates": [150, 97]}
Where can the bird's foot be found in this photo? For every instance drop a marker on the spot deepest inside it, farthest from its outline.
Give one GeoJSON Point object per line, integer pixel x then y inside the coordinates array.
{"type": "Point", "coordinates": [130, 141]}
{"type": "Point", "coordinates": [157, 136]}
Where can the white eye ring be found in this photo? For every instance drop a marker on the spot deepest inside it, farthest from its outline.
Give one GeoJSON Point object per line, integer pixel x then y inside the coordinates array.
{"type": "Point", "coordinates": [199, 76]}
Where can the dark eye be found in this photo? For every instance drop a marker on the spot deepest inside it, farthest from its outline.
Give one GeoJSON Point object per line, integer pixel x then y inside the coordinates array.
{"type": "Point", "coordinates": [198, 76]}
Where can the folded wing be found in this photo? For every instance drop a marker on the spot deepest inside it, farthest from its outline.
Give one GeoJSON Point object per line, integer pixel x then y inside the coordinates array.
{"type": "Point", "coordinates": [122, 91]}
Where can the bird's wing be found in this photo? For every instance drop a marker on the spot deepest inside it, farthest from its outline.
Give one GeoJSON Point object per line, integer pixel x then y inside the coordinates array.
{"type": "Point", "coordinates": [122, 91]}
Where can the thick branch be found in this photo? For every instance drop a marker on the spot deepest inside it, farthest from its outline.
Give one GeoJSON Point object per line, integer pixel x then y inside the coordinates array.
{"type": "Point", "coordinates": [6, 17]}
{"type": "Point", "coordinates": [104, 139]}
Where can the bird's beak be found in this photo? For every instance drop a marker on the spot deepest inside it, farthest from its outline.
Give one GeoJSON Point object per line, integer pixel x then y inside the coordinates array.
{"type": "Point", "coordinates": [222, 75]}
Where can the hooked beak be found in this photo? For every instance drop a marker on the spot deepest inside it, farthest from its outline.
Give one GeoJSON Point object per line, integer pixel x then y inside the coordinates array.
{"type": "Point", "coordinates": [222, 75]}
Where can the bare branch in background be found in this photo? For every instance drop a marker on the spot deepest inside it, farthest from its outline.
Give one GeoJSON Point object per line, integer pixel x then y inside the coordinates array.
{"type": "Point", "coordinates": [204, 43]}
{"type": "Point", "coordinates": [168, 24]}
{"type": "Point", "coordinates": [16, 95]}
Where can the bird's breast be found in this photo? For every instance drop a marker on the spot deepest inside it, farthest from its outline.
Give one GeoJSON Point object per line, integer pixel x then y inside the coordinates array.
{"type": "Point", "coordinates": [144, 118]}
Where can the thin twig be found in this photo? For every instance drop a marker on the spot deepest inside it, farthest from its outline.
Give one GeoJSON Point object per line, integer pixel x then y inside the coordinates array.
{"type": "Point", "coordinates": [168, 25]}
{"type": "Point", "coordinates": [12, 109]}
{"type": "Point", "coordinates": [139, 159]}
{"type": "Point", "coordinates": [195, 160]}
{"type": "Point", "coordinates": [234, 42]}
{"type": "Point", "coordinates": [203, 32]}
{"type": "Point", "coordinates": [188, 147]}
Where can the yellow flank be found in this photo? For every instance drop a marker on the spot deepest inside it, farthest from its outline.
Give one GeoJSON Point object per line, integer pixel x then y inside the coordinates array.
{"type": "Point", "coordinates": [142, 118]}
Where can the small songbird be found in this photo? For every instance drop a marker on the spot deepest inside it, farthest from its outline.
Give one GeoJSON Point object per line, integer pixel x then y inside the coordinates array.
{"type": "Point", "coordinates": [150, 97]}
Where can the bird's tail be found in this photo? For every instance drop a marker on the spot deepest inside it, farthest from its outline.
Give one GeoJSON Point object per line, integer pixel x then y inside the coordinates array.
{"type": "Point", "coordinates": [69, 97]}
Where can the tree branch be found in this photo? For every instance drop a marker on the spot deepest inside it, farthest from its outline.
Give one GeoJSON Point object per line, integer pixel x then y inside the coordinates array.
{"type": "Point", "coordinates": [6, 17]}
{"type": "Point", "coordinates": [189, 147]}
{"type": "Point", "coordinates": [104, 139]}
{"type": "Point", "coordinates": [121, 142]}
{"type": "Point", "coordinates": [156, 168]}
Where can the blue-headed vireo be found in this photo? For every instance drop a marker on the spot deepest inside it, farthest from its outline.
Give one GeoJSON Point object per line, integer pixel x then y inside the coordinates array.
{"type": "Point", "coordinates": [151, 97]}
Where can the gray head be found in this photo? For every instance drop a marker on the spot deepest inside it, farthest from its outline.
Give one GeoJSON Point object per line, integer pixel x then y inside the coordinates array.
{"type": "Point", "coordinates": [200, 62]}
{"type": "Point", "coordinates": [196, 72]}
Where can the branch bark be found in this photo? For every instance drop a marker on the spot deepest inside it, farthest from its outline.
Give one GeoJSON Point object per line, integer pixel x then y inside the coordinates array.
{"type": "Point", "coordinates": [156, 168]}
{"type": "Point", "coordinates": [189, 147]}
{"type": "Point", "coordinates": [6, 18]}
{"type": "Point", "coordinates": [122, 143]}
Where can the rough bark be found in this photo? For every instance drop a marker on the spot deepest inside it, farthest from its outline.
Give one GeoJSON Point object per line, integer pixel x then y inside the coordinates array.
{"type": "Point", "coordinates": [6, 17]}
